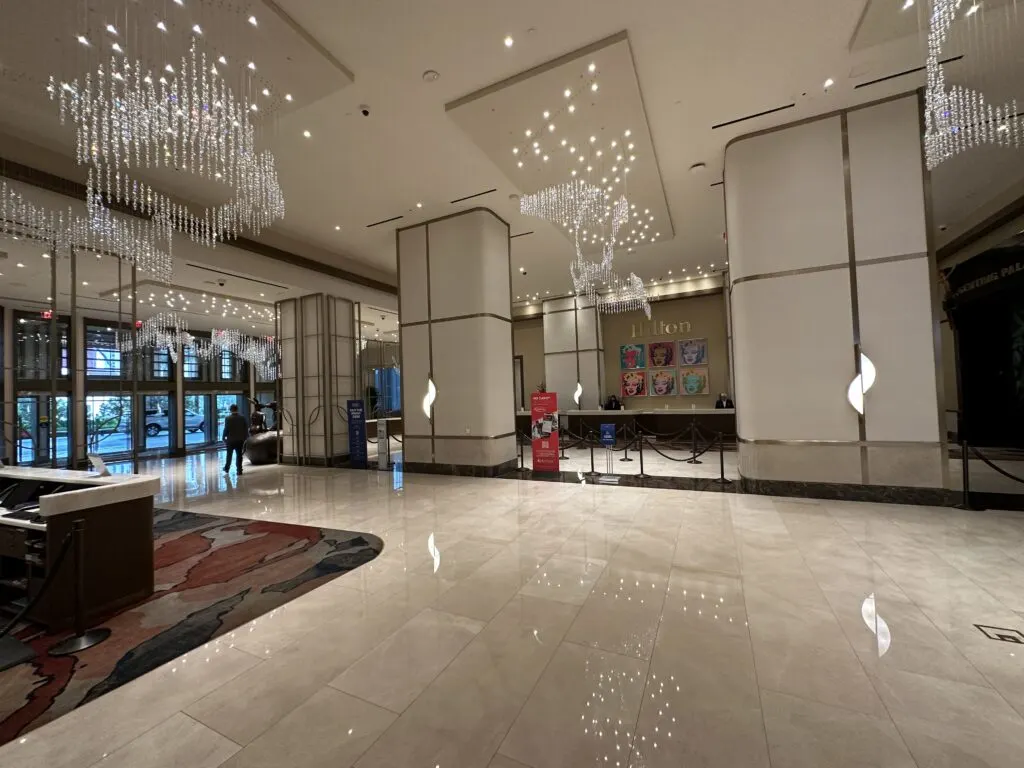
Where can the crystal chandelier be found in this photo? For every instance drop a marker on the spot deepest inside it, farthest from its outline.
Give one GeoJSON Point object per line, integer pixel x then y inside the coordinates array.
{"type": "Point", "coordinates": [163, 331]}
{"type": "Point", "coordinates": [260, 352]}
{"type": "Point", "coordinates": [578, 204]}
{"type": "Point", "coordinates": [127, 119]}
{"type": "Point", "coordinates": [958, 118]}
{"type": "Point", "coordinates": [134, 241]}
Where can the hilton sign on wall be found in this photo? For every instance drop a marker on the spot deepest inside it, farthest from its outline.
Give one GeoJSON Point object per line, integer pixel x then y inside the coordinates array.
{"type": "Point", "coordinates": [658, 328]}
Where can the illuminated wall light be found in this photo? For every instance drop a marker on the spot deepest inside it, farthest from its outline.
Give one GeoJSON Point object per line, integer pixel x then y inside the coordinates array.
{"type": "Point", "coordinates": [578, 393]}
{"type": "Point", "coordinates": [861, 383]}
{"type": "Point", "coordinates": [428, 399]}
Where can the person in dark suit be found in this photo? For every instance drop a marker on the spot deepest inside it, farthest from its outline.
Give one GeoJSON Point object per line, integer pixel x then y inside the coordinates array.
{"type": "Point", "coordinates": [723, 401]}
{"type": "Point", "coordinates": [613, 404]}
{"type": "Point", "coordinates": [235, 433]}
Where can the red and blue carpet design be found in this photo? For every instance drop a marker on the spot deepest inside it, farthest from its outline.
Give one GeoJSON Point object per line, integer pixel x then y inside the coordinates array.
{"type": "Point", "coordinates": [213, 574]}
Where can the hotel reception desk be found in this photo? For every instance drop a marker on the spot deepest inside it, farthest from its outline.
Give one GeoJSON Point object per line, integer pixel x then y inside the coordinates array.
{"type": "Point", "coordinates": [659, 422]}
{"type": "Point", "coordinates": [37, 510]}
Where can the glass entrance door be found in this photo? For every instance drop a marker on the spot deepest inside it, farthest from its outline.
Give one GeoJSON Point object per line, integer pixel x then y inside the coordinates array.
{"type": "Point", "coordinates": [35, 422]}
{"type": "Point", "coordinates": [158, 423]}
{"type": "Point", "coordinates": [199, 420]}
{"type": "Point", "coordinates": [108, 424]}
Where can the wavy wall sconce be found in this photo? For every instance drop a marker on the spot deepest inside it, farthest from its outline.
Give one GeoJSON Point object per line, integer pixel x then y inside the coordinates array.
{"type": "Point", "coordinates": [861, 383]}
{"type": "Point", "coordinates": [578, 393]}
{"type": "Point", "coordinates": [429, 398]}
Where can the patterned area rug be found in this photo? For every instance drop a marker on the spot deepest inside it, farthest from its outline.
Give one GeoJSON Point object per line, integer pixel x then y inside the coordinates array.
{"type": "Point", "coordinates": [213, 574]}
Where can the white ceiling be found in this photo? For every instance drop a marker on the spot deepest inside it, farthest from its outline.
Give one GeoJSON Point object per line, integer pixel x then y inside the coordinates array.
{"type": "Point", "coordinates": [696, 66]}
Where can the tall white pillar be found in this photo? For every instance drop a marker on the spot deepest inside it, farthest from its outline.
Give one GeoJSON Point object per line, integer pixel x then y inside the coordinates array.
{"type": "Point", "coordinates": [830, 258]}
{"type": "Point", "coordinates": [574, 352]}
{"type": "Point", "coordinates": [455, 313]}
{"type": "Point", "coordinates": [317, 340]}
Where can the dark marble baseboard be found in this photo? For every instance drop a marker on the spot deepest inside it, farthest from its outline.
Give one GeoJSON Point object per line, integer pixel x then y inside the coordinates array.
{"type": "Point", "coordinates": [884, 494]}
{"type": "Point", "coordinates": [460, 470]}
{"type": "Point", "coordinates": [341, 460]}
{"type": "Point", "coordinates": [669, 482]}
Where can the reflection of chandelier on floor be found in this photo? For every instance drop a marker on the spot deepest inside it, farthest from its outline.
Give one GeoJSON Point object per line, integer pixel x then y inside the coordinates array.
{"type": "Point", "coordinates": [959, 118]}
{"type": "Point", "coordinates": [128, 119]}
{"type": "Point", "coordinates": [579, 205]}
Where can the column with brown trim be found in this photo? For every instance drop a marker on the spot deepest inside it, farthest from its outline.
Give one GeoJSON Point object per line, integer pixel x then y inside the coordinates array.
{"type": "Point", "coordinates": [574, 353]}
{"type": "Point", "coordinates": [455, 313]}
{"type": "Point", "coordinates": [832, 277]}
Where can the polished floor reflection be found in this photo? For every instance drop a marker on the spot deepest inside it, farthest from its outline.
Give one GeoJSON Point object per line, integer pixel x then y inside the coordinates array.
{"type": "Point", "coordinates": [513, 624]}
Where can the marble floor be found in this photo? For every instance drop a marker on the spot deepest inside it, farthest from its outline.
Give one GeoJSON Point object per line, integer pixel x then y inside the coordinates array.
{"type": "Point", "coordinates": [516, 624]}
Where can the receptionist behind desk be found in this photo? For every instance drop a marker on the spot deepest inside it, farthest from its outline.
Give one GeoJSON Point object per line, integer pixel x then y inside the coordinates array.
{"type": "Point", "coordinates": [723, 401]}
{"type": "Point", "coordinates": [613, 404]}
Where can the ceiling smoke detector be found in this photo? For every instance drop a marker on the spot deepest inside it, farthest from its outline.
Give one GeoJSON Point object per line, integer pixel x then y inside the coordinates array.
{"type": "Point", "coordinates": [698, 167]}
{"type": "Point", "coordinates": [430, 75]}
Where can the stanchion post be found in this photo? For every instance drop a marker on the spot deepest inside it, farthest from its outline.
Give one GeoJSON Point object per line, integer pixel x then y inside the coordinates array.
{"type": "Point", "coordinates": [590, 439]}
{"type": "Point", "coordinates": [561, 441]}
{"type": "Point", "coordinates": [82, 639]}
{"type": "Point", "coordinates": [721, 460]}
{"type": "Point", "coordinates": [965, 478]}
{"type": "Point", "coordinates": [640, 437]}
{"type": "Point", "coordinates": [625, 457]}
{"type": "Point", "coordinates": [522, 462]}
{"type": "Point", "coordinates": [693, 444]}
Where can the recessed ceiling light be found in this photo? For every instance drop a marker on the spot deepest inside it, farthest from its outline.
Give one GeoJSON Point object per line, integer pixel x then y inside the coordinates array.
{"type": "Point", "coordinates": [529, 133]}
{"type": "Point", "coordinates": [307, 134]}
{"type": "Point", "coordinates": [337, 227]}
{"type": "Point", "coordinates": [83, 39]}
{"type": "Point", "coordinates": [287, 97]}
{"type": "Point", "coordinates": [46, 255]}
{"type": "Point", "coordinates": [973, 9]}
{"type": "Point", "coordinates": [515, 150]}
{"type": "Point", "coordinates": [252, 20]}
{"type": "Point", "coordinates": [253, 107]}
{"type": "Point", "coordinates": [572, 108]}
{"type": "Point", "coordinates": [593, 87]}
{"type": "Point", "coordinates": [161, 26]}
{"type": "Point", "coordinates": [116, 48]}
{"type": "Point", "coordinates": [19, 264]}
{"type": "Point", "coordinates": [545, 158]}
{"type": "Point", "coordinates": [197, 29]}
{"type": "Point", "coordinates": [592, 67]}
{"type": "Point", "coordinates": [509, 42]}
{"type": "Point", "coordinates": [520, 163]}
{"type": "Point", "coordinates": [266, 91]}
{"type": "Point", "coordinates": [252, 65]}
{"type": "Point", "coordinates": [828, 83]}
{"type": "Point", "coordinates": [84, 282]}
{"type": "Point", "coordinates": [222, 60]}
{"type": "Point", "coordinates": [168, 68]}
{"type": "Point", "coordinates": [419, 205]}
{"type": "Point", "coordinates": [593, 139]}
{"type": "Point", "coordinates": [551, 128]}
{"type": "Point", "coordinates": [908, 4]}
{"type": "Point", "coordinates": [111, 29]}
{"type": "Point", "coordinates": [564, 142]}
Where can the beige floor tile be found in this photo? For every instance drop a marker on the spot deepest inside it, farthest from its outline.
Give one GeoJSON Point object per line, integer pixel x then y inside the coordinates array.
{"type": "Point", "coordinates": [462, 717]}
{"type": "Point", "coordinates": [807, 734]}
{"type": "Point", "coordinates": [707, 602]}
{"type": "Point", "coordinates": [330, 730]}
{"type": "Point", "coordinates": [394, 673]}
{"type": "Point", "coordinates": [258, 698]}
{"type": "Point", "coordinates": [177, 741]}
{"type": "Point", "coordinates": [565, 579]}
{"type": "Point", "coordinates": [699, 737]}
{"type": "Point", "coordinates": [582, 712]}
{"type": "Point", "coordinates": [87, 734]}
{"type": "Point", "coordinates": [946, 702]}
{"type": "Point", "coordinates": [945, 745]}
{"type": "Point", "coordinates": [622, 613]}
{"type": "Point", "coordinates": [826, 675]}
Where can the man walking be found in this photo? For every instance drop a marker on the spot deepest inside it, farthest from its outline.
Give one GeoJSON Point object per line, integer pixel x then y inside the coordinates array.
{"type": "Point", "coordinates": [235, 432]}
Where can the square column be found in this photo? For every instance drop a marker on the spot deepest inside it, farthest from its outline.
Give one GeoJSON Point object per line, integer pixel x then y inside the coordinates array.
{"type": "Point", "coordinates": [574, 352]}
{"type": "Point", "coordinates": [455, 312]}
{"type": "Point", "coordinates": [317, 379]}
{"type": "Point", "coordinates": [832, 277]}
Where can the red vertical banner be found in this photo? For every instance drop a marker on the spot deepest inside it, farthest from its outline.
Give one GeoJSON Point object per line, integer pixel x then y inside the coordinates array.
{"type": "Point", "coordinates": [544, 431]}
